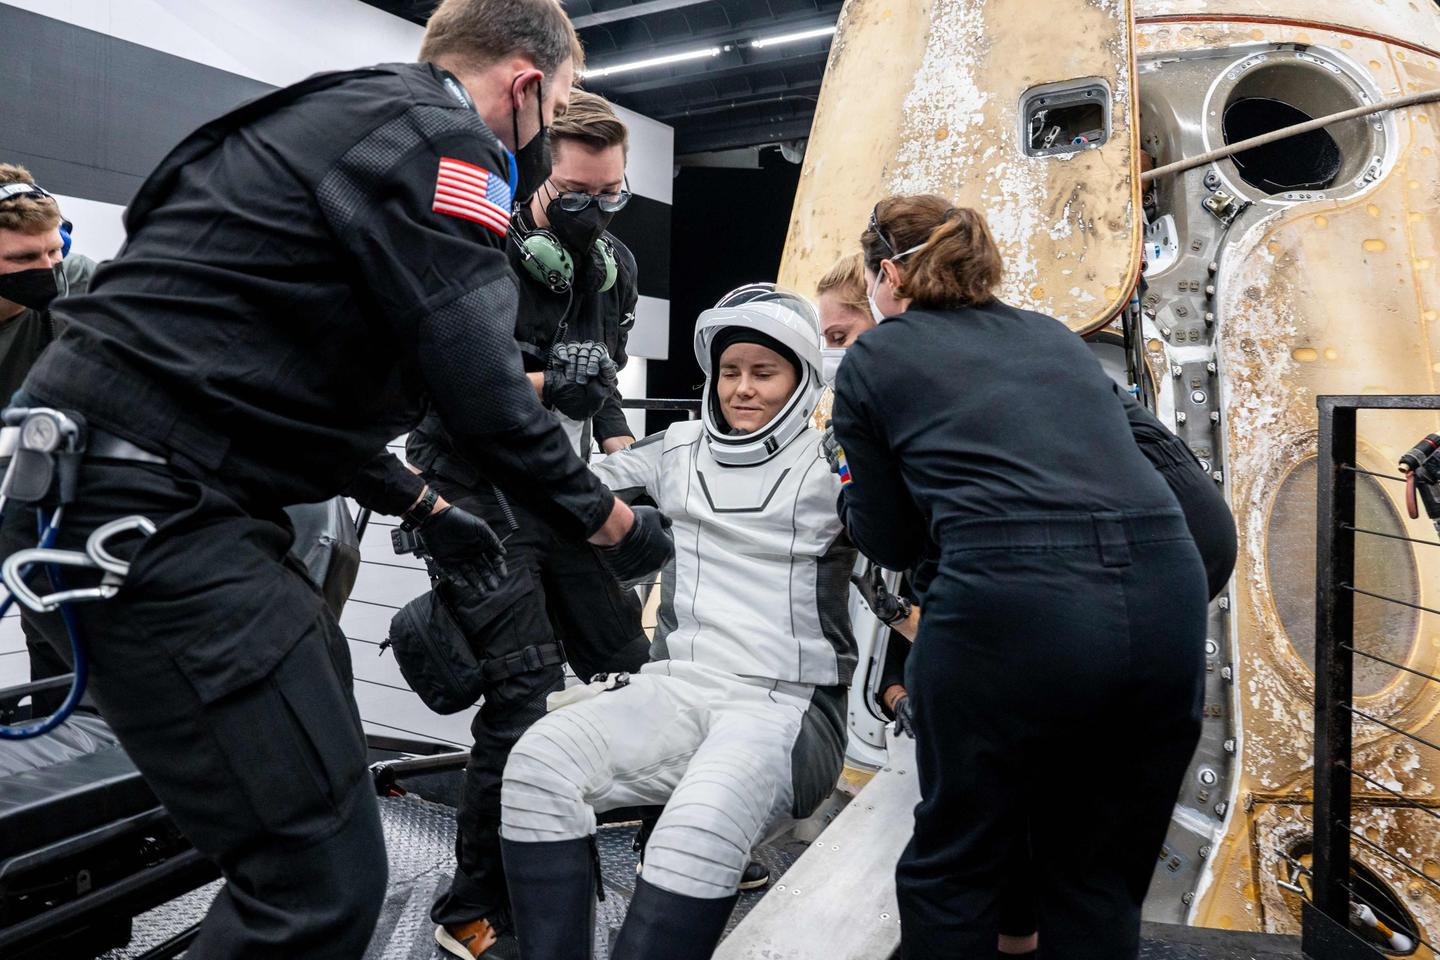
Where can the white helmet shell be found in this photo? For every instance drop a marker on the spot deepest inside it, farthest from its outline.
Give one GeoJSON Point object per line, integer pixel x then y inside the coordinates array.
{"type": "Point", "coordinates": [790, 319]}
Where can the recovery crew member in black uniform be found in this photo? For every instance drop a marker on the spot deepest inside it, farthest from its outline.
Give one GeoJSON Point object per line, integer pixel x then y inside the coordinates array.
{"type": "Point", "coordinates": [297, 276]}
{"type": "Point", "coordinates": [578, 293]}
{"type": "Point", "coordinates": [36, 268]}
{"type": "Point", "coordinates": [1068, 608]}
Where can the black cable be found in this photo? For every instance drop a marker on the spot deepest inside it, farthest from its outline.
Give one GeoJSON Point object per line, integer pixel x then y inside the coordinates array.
{"type": "Point", "coordinates": [1380, 596]}
{"type": "Point", "coordinates": [372, 603]}
{"type": "Point", "coordinates": [1371, 473]}
{"type": "Point", "coordinates": [1403, 733]}
{"type": "Point", "coordinates": [418, 736]}
{"type": "Point", "coordinates": [1399, 796]}
{"type": "Point", "coordinates": [1397, 859]}
{"type": "Point", "coordinates": [1390, 536]}
{"type": "Point", "coordinates": [1408, 930]}
{"type": "Point", "coordinates": [373, 643]}
{"type": "Point", "coordinates": [1397, 666]}
{"type": "Point", "coordinates": [387, 686]}
{"type": "Point", "coordinates": [11, 653]}
{"type": "Point", "coordinates": [397, 566]}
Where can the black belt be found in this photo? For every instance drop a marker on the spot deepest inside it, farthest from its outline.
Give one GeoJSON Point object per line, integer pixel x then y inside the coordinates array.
{"type": "Point", "coordinates": [107, 446]}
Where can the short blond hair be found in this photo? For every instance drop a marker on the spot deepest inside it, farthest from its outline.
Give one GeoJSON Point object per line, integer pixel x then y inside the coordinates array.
{"type": "Point", "coordinates": [591, 120]}
{"type": "Point", "coordinates": [847, 279]}
{"type": "Point", "coordinates": [26, 213]}
{"type": "Point", "coordinates": [479, 33]}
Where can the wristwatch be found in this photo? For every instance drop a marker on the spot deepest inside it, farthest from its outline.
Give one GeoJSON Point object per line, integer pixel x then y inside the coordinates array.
{"type": "Point", "coordinates": [419, 513]}
{"type": "Point", "coordinates": [903, 606]}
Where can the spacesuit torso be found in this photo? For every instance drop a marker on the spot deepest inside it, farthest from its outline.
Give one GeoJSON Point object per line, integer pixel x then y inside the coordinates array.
{"type": "Point", "coordinates": [760, 558]}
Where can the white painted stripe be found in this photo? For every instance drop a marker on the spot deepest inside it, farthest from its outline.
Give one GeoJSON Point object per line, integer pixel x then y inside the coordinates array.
{"type": "Point", "coordinates": [282, 41]}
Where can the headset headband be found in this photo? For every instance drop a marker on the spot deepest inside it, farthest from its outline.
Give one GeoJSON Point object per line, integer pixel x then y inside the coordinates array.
{"type": "Point", "coordinates": [22, 188]}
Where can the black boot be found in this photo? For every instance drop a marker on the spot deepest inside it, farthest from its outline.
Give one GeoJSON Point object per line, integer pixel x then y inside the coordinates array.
{"type": "Point", "coordinates": [667, 926]}
{"type": "Point", "coordinates": [552, 897]}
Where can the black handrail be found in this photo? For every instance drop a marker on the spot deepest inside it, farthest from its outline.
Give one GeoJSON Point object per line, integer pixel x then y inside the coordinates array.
{"type": "Point", "coordinates": [1327, 916]}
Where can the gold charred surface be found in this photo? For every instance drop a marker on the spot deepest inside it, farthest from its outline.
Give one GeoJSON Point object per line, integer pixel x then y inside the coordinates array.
{"type": "Point", "coordinates": [924, 98]}
{"type": "Point", "coordinates": [1325, 297]}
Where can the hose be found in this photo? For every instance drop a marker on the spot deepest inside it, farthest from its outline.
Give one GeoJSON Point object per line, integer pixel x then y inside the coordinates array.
{"type": "Point", "coordinates": [48, 533]}
{"type": "Point", "coordinates": [1285, 133]}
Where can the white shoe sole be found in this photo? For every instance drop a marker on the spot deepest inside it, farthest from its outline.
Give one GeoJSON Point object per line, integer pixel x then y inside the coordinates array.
{"type": "Point", "coordinates": [450, 945]}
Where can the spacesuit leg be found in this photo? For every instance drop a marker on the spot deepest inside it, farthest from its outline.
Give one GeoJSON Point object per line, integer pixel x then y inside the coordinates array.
{"type": "Point", "coordinates": [624, 747]}
{"type": "Point", "coordinates": [737, 786]}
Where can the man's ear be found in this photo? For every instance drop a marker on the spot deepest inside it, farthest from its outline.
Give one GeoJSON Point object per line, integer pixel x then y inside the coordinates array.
{"type": "Point", "coordinates": [522, 84]}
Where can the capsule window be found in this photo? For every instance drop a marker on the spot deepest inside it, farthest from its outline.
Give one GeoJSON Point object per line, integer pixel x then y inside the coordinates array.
{"type": "Point", "coordinates": [1065, 118]}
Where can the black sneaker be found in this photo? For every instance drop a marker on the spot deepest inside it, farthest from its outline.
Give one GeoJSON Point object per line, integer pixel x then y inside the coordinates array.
{"type": "Point", "coordinates": [755, 877]}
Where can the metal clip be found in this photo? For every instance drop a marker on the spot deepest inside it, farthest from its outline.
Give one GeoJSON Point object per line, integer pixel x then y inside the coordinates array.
{"type": "Point", "coordinates": [95, 556]}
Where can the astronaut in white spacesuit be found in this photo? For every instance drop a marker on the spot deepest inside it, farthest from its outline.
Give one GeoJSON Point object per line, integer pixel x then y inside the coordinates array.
{"type": "Point", "coordinates": [738, 724]}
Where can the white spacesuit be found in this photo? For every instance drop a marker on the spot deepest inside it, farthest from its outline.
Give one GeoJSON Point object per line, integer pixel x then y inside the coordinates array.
{"type": "Point", "coordinates": [738, 725]}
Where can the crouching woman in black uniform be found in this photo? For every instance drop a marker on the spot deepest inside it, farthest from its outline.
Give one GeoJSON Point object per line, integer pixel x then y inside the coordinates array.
{"type": "Point", "coordinates": [1056, 678]}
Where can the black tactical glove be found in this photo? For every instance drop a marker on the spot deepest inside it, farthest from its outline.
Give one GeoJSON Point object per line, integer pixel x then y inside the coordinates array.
{"type": "Point", "coordinates": [830, 447]}
{"type": "Point", "coordinates": [464, 548]}
{"type": "Point", "coordinates": [579, 378]}
{"type": "Point", "coordinates": [905, 717]}
{"type": "Point", "coordinates": [644, 549]}
{"type": "Point", "coordinates": [887, 607]}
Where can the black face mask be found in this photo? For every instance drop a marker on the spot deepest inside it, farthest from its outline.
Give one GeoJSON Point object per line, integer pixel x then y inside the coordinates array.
{"type": "Point", "coordinates": [35, 289]}
{"type": "Point", "coordinates": [578, 231]}
{"type": "Point", "coordinates": [532, 161]}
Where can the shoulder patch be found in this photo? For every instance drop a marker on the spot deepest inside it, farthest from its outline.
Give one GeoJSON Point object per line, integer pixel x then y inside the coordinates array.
{"type": "Point", "coordinates": [471, 192]}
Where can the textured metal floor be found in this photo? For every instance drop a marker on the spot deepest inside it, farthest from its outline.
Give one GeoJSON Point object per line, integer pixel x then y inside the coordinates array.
{"type": "Point", "coordinates": [420, 840]}
{"type": "Point", "coordinates": [420, 837]}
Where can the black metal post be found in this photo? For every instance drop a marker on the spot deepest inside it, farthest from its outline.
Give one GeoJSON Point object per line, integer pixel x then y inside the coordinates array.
{"type": "Point", "coordinates": [1334, 634]}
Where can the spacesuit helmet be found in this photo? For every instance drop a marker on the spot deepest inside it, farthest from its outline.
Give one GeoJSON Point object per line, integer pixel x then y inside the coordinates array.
{"type": "Point", "coordinates": [788, 318]}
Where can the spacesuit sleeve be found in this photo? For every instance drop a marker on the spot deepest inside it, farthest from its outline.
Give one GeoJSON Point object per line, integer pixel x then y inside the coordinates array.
{"type": "Point", "coordinates": [875, 504]}
{"type": "Point", "coordinates": [384, 485]}
{"type": "Point", "coordinates": [635, 470]}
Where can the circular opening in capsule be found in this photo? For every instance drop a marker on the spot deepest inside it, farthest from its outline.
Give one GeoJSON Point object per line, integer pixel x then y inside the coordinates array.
{"type": "Point", "coordinates": [1366, 889]}
{"type": "Point", "coordinates": [1281, 91]}
{"type": "Point", "coordinates": [1309, 161]}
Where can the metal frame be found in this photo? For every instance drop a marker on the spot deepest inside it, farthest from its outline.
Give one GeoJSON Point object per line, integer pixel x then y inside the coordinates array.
{"type": "Point", "coordinates": [1326, 933]}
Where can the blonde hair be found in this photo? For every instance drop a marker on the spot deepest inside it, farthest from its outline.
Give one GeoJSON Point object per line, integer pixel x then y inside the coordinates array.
{"type": "Point", "coordinates": [846, 278]}
{"type": "Point", "coordinates": [591, 120]}
{"type": "Point", "coordinates": [959, 264]}
{"type": "Point", "coordinates": [480, 32]}
{"type": "Point", "coordinates": [26, 214]}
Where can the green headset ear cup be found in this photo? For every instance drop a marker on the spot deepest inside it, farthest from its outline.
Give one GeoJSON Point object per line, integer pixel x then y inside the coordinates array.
{"type": "Point", "coordinates": [547, 260]}
{"type": "Point", "coordinates": [607, 257]}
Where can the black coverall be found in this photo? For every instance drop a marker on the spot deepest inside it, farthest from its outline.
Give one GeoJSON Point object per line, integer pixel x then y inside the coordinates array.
{"type": "Point", "coordinates": [1061, 644]}
{"type": "Point", "coordinates": [557, 600]}
{"type": "Point", "coordinates": [287, 293]}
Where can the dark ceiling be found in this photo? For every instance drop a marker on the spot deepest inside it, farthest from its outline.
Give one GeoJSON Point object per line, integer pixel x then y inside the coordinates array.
{"type": "Point", "coordinates": [743, 97]}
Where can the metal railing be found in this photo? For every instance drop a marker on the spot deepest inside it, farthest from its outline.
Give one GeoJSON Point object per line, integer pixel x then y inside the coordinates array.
{"type": "Point", "coordinates": [1336, 907]}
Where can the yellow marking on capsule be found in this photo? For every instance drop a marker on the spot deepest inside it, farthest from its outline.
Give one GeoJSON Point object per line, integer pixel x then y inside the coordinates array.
{"type": "Point", "coordinates": [1155, 346]}
{"type": "Point", "coordinates": [1305, 354]}
{"type": "Point", "coordinates": [1375, 64]}
{"type": "Point", "coordinates": [1111, 292]}
{"type": "Point", "coordinates": [1332, 354]}
{"type": "Point", "coordinates": [1374, 246]}
{"type": "Point", "coordinates": [1371, 209]}
{"type": "Point", "coordinates": [1037, 291]}
{"type": "Point", "coordinates": [1423, 263]}
{"type": "Point", "coordinates": [1322, 221]}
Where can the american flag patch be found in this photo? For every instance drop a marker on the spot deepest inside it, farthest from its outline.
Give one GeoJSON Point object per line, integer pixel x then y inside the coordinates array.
{"type": "Point", "coordinates": [472, 193]}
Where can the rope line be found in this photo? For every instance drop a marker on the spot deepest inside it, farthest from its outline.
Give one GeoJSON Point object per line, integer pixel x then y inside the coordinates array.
{"type": "Point", "coordinates": [1380, 596]}
{"type": "Point", "coordinates": [1398, 796]}
{"type": "Point", "coordinates": [1398, 666]}
{"type": "Point", "coordinates": [1388, 726]}
{"type": "Point", "coordinates": [1389, 536]}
